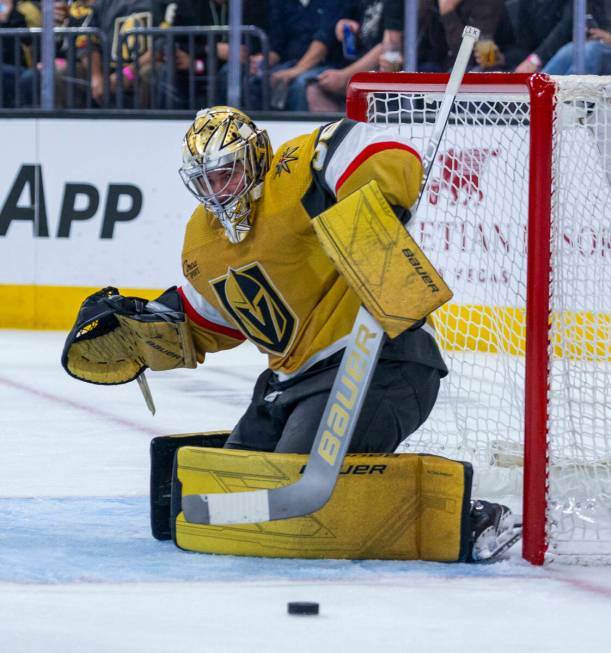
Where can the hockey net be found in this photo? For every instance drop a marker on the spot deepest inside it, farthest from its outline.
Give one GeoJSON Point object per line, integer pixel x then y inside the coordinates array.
{"type": "Point", "coordinates": [523, 173]}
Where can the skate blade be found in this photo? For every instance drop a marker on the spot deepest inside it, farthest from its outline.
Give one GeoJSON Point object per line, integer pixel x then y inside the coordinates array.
{"type": "Point", "coordinates": [503, 543]}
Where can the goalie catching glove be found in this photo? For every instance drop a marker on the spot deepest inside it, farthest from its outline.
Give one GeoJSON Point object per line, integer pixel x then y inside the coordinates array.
{"type": "Point", "coordinates": [116, 338]}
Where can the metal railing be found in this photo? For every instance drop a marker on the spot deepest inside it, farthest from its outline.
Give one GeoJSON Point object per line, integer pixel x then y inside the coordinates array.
{"type": "Point", "coordinates": [162, 45]}
{"type": "Point", "coordinates": [72, 71]}
{"type": "Point", "coordinates": [74, 80]}
{"type": "Point", "coordinates": [26, 81]}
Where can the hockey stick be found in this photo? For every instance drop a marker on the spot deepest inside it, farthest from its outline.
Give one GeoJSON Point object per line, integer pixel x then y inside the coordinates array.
{"type": "Point", "coordinates": [315, 487]}
{"type": "Point", "coordinates": [159, 310]}
{"type": "Point", "coordinates": [145, 389]}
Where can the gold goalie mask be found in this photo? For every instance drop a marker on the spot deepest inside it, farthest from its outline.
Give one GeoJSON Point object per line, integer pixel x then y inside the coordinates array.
{"type": "Point", "coordinates": [225, 158]}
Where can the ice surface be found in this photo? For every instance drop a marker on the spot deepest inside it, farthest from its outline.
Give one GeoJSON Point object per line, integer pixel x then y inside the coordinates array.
{"type": "Point", "coordinates": [79, 570]}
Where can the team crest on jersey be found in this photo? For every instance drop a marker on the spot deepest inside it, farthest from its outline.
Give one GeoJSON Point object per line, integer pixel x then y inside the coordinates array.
{"type": "Point", "coordinates": [256, 305]}
{"type": "Point", "coordinates": [282, 165]}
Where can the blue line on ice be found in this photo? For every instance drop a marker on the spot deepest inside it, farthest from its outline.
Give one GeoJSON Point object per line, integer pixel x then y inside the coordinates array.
{"type": "Point", "coordinates": [107, 539]}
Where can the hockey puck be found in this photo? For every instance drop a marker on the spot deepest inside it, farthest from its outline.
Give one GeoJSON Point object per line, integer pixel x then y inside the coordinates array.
{"type": "Point", "coordinates": [302, 608]}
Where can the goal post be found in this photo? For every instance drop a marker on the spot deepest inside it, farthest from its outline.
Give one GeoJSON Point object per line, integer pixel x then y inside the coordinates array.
{"type": "Point", "coordinates": [540, 191]}
{"type": "Point", "coordinates": [517, 217]}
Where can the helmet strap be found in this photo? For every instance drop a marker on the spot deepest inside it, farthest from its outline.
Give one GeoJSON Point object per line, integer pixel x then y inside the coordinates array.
{"type": "Point", "coordinates": [256, 191]}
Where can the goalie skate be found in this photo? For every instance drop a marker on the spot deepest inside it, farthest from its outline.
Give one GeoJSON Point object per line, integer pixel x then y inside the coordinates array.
{"type": "Point", "coordinates": [493, 530]}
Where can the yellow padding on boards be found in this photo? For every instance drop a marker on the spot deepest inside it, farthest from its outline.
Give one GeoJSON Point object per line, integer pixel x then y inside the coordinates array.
{"type": "Point", "coordinates": [380, 260]}
{"type": "Point", "coordinates": [50, 307]}
{"type": "Point", "coordinates": [395, 506]}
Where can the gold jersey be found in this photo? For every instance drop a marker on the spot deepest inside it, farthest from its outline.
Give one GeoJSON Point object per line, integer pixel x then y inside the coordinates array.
{"type": "Point", "coordinates": [278, 288]}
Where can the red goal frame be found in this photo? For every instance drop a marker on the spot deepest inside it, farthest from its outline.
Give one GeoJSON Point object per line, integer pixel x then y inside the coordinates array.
{"type": "Point", "coordinates": [541, 90]}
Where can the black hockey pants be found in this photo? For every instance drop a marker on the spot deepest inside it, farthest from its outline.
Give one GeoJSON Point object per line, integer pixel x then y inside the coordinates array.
{"type": "Point", "coordinates": [284, 416]}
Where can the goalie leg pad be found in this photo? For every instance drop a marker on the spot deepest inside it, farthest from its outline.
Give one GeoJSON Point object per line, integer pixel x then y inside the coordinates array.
{"type": "Point", "coordinates": [380, 261]}
{"type": "Point", "coordinates": [393, 506]}
{"type": "Point", "coordinates": [163, 452]}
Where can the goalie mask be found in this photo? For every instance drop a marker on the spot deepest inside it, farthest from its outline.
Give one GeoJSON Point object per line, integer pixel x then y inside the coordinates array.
{"type": "Point", "coordinates": [225, 158]}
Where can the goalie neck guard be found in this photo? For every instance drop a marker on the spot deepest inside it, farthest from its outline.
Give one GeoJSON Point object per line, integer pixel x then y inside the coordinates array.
{"type": "Point", "coordinates": [225, 159]}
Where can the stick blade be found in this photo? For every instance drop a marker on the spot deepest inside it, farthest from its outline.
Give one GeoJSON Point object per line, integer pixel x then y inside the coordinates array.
{"type": "Point", "coordinates": [231, 508]}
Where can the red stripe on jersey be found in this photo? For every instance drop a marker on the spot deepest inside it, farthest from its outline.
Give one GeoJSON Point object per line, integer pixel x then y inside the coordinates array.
{"type": "Point", "coordinates": [201, 321]}
{"type": "Point", "coordinates": [370, 150]}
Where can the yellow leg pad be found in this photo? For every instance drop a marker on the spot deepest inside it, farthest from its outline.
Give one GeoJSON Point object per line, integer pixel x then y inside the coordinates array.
{"type": "Point", "coordinates": [396, 506]}
{"type": "Point", "coordinates": [380, 260]}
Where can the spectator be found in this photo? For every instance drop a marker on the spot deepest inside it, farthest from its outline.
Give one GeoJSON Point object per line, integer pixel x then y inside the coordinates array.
{"type": "Point", "coordinates": [215, 13]}
{"type": "Point", "coordinates": [440, 27]}
{"type": "Point", "coordinates": [432, 47]}
{"type": "Point", "coordinates": [160, 86]}
{"type": "Point", "coordinates": [486, 16]}
{"type": "Point", "coordinates": [499, 52]}
{"type": "Point", "coordinates": [114, 17]}
{"type": "Point", "coordinates": [209, 13]}
{"type": "Point", "coordinates": [302, 45]}
{"type": "Point", "coordinates": [364, 20]}
{"type": "Point", "coordinates": [74, 14]}
{"type": "Point", "coordinates": [10, 18]}
{"type": "Point", "coordinates": [597, 55]}
{"type": "Point", "coordinates": [31, 12]}
{"type": "Point", "coordinates": [544, 26]}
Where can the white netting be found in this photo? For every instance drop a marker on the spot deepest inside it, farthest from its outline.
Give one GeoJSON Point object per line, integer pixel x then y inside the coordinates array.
{"type": "Point", "coordinates": [472, 224]}
{"type": "Point", "coordinates": [579, 502]}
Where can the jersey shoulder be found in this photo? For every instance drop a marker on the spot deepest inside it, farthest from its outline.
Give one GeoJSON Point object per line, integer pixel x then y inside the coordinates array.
{"type": "Point", "coordinates": [350, 154]}
{"type": "Point", "coordinates": [298, 160]}
{"type": "Point", "coordinates": [292, 159]}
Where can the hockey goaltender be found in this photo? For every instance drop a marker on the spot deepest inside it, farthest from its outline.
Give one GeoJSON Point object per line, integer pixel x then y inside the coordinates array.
{"type": "Point", "coordinates": [282, 250]}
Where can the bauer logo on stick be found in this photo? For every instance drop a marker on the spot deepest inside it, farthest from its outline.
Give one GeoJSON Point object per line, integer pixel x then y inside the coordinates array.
{"type": "Point", "coordinates": [342, 411]}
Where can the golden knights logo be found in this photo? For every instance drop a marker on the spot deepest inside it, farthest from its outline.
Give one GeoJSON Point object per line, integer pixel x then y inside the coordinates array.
{"type": "Point", "coordinates": [255, 304]}
{"type": "Point", "coordinates": [288, 156]}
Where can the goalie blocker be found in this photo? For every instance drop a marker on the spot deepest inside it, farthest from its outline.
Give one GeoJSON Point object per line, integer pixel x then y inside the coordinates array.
{"type": "Point", "coordinates": [380, 260]}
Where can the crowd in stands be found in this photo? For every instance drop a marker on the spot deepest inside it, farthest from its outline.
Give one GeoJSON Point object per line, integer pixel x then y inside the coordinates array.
{"type": "Point", "coordinates": [312, 49]}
